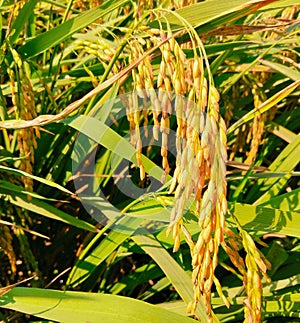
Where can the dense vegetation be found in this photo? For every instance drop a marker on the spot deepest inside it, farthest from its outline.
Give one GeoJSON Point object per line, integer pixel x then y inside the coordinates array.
{"type": "Point", "coordinates": [149, 154]}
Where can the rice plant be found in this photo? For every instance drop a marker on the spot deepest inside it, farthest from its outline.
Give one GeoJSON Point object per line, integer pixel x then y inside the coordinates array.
{"type": "Point", "coordinates": [149, 161]}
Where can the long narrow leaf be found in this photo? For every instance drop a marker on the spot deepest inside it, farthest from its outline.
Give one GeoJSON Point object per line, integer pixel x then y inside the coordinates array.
{"type": "Point", "coordinates": [37, 206]}
{"type": "Point", "coordinates": [85, 266]}
{"type": "Point", "coordinates": [263, 220]}
{"type": "Point", "coordinates": [21, 20]}
{"type": "Point", "coordinates": [208, 15]}
{"type": "Point", "coordinates": [286, 161]}
{"type": "Point", "coordinates": [102, 134]}
{"type": "Point", "coordinates": [179, 278]}
{"type": "Point", "coordinates": [85, 307]}
{"type": "Point", "coordinates": [37, 178]}
{"type": "Point", "coordinates": [264, 106]}
{"type": "Point", "coordinates": [67, 29]}
{"type": "Point", "coordinates": [293, 74]}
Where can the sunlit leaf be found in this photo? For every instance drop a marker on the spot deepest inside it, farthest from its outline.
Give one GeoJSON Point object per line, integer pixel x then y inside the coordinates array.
{"type": "Point", "coordinates": [84, 307]}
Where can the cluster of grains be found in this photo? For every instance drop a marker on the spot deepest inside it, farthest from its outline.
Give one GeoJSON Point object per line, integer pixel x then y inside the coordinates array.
{"type": "Point", "coordinates": [253, 270]}
{"type": "Point", "coordinates": [257, 127]}
{"type": "Point", "coordinates": [142, 79]}
{"type": "Point", "coordinates": [250, 134]}
{"type": "Point", "coordinates": [24, 105]}
{"type": "Point", "coordinates": [182, 88]}
{"type": "Point", "coordinates": [201, 160]}
{"type": "Point", "coordinates": [84, 5]}
{"type": "Point", "coordinates": [6, 244]}
{"type": "Point", "coordinates": [171, 78]}
{"type": "Point", "coordinates": [200, 173]}
{"type": "Point", "coordinates": [157, 98]}
{"type": "Point", "coordinates": [201, 150]}
{"type": "Point", "coordinates": [96, 46]}
{"type": "Point", "coordinates": [257, 267]}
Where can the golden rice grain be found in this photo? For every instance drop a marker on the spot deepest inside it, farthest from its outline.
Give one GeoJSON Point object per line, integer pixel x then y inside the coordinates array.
{"type": "Point", "coordinates": [201, 153]}
{"type": "Point", "coordinates": [24, 105]}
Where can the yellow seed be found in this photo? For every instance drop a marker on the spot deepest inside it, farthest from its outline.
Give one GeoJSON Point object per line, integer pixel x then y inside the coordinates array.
{"type": "Point", "coordinates": [167, 55]}
{"type": "Point", "coordinates": [177, 86]}
{"type": "Point", "coordinates": [165, 125]}
{"type": "Point", "coordinates": [142, 172]}
{"type": "Point", "coordinates": [214, 94]}
{"type": "Point", "coordinates": [207, 233]}
{"type": "Point", "coordinates": [196, 69]}
{"type": "Point", "coordinates": [199, 244]}
{"type": "Point", "coordinates": [160, 80]}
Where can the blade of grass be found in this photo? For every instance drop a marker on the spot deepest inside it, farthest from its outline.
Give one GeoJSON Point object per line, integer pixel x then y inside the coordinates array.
{"type": "Point", "coordinates": [286, 202]}
{"type": "Point", "coordinates": [87, 264]}
{"type": "Point", "coordinates": [24, 14]}
{"type": "Point", "coordinates": [281, 132]}
{"type": "Point", "coordinates": [64, 31]}
{"type": "Point", "coordinates": [141, 275]}
{"type": "Point", "coordinates": [286, 161]}
{"type": "Point", "coordinates": [280, 4]}
{"type": "Point", "coordinates": [102, 134]}
{"type": "Point", "coordinates": [37, 178]}
{"type": "Point", "coordinates": [85, 307]}
{"type": "Point", "coordinates": [9, 188]}
{"type": "Point", "coordinates": [162, 284]}
{"type": "Point", "coordinates": [179, 278]}
{"type": "Point", "coordinates": [291, 73]}
{"type": "Point", "coordinates": [264, 106]}
{"type": "Point", "coordinates": [261, 220]}
{"type": "Point", "coordinates": [37, 206]}
{"type": "Point", "coordinates": [205, 16]}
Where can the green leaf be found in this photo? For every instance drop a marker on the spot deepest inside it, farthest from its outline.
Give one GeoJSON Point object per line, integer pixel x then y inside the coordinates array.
{"type": "Point", "coordinates": [64, 31]}
{"type": "Point", "coordinates": [282, 132]}
{"type": "Point", "coordinates": [207, 15]}
{"type": "Point", "coordinates": [37, 178]}
{"type": "Point", "coordinates": [281, 4]}
{"type": "Point", "coordinates": [21, 20]}
{"type": "Point", "coordinates": [264, 106]}
{"type": "Point", "coordinates": [162, 284]}
{"type": "Point", "coordinates": [179, 278]}
{"type": "Point", "coordinates": [286, 161]}
{"type": "Point", "coordinates": [85, 307]}
{"type": "Point", "coordinates": [6, 187]}
{"type": "Point", "coordinates": [102, 134]}
{"type": "Point", "coordinates": [286, 306]}
{"type": "Point", "coordinates": [293, 74]}
{"type": "Point", "coordinates": [277, 256]}
{"type": "Point", "coordinates": [35, 205]}
{"type": "Point", "coordinates": [86, 265]}
{"type": "Point", "coordinates": [261, 220]}
{"type": "Point", "coordinates": [286, 202]}
{"type": "Point", "coordinates": [241, 46]}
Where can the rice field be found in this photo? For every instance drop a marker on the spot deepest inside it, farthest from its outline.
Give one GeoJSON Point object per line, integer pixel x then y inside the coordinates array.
{"type": "Point", "coordinates": [149, 161]}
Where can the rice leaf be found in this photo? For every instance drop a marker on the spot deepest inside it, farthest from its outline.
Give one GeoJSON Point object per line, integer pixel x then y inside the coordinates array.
{"type": "Point", "coordinates": [64, 31]}
{"type": "Point", "coordinates": [85, 307]}
{"type": "Point", "coordinates": [42, 208]}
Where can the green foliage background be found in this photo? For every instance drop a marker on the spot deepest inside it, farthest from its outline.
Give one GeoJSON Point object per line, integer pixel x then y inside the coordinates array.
{"type": "Point", "coordinates": [65, 50]}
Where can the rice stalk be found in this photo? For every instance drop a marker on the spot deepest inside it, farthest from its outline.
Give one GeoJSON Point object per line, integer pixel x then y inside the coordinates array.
{"type": "Point", "coordinates": [257, 267]}
{"type": "Point", "coordinates": [257, 127]}
{"type": "Point", "coordinates": [6, 244]}
{"type": "Point", "coordinates": [200, 162]}
{"type": "Point", "coordinates": [24, 106]}
{"type": "Point", "coordinates": [200, 173]}
{"type": "Point", "coordinates": [85, 5]}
